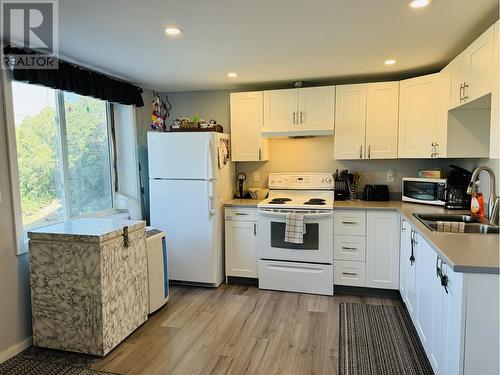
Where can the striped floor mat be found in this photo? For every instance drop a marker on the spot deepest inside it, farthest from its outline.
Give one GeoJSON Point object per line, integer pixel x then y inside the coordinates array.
{"type": "Point", "coordinates": [376, 339]}
{"type": "Point", "coordinates": [38, 361]}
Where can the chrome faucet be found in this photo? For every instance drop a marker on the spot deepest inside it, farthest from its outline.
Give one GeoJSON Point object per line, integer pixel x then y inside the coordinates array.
{"type": "Point", "coordinates": [493, 200]}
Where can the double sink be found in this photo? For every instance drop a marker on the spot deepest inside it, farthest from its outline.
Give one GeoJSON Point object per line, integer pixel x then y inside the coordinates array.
{"type": "Point", "coordinates": [471, 224]}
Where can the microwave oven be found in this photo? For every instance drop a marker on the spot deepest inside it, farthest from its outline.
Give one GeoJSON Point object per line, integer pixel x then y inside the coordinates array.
{"type": "Point", "coordinates": [423, 190]}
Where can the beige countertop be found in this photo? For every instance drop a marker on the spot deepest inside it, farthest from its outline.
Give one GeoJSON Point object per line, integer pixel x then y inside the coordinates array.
{"type": "Point", "coordinates": [470, 252]}
{"type": "Point", "coordinates": [237, 202]}
{"type": "Point", "coordinates": [465, 252]}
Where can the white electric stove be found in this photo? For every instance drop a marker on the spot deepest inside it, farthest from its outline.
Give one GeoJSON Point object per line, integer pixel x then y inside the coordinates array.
{"type": "Point", "coordinates": [305, 267]}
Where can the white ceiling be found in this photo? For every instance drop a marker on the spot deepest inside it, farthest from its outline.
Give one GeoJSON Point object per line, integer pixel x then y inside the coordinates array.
{"type": "Point", "coordinates": [266, 41]}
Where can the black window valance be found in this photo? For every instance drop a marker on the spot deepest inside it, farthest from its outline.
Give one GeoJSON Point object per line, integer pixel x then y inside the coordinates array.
{"type": "Point", "coordinates": [77, 79]}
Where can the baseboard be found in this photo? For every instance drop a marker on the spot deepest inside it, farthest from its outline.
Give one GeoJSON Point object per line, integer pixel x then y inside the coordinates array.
{"type": "Point", "coordinates": [16, 349]}
{"type": "Point", "coordinates": [246, 281]}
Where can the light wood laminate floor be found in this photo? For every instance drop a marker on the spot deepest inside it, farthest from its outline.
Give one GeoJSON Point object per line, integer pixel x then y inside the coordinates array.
{"type": "Point", "coordinates": [236, 330]}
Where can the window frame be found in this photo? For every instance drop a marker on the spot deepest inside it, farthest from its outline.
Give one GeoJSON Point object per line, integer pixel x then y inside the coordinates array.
{"type": "Point", "coordinates": [21, 238]}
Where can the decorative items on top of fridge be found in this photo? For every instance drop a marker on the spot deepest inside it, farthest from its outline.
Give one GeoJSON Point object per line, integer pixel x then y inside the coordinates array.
{"type": "Point", "coordinates": [160, 112]}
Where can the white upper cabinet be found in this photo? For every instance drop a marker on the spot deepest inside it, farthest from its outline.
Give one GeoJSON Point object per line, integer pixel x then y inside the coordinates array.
{"type": "Point", "coordinates": [472, 70]}
{"type": "Point", "coordinates": [382, 108]}
{"type": "Point", "coordinates": [302, 111]}
{"type": "Point", "coordinates": [350, 122]}
{"type": "Point", "coordinates": [316, 107]}
{"type": "Point", "coordinates": [246, 125]}
{"type": "Point", "coordinates": [366, 121]}
{"type": "Point", "coordinates": [280, 109]}
{"type": "Point", "coordinates": [382, 249]}
{"type": "Point", "coordinates": [420, 121]}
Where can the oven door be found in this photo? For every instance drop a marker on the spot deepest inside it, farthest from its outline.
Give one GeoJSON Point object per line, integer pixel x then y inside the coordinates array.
{"type": "Point", "coordinates": [318, 240]}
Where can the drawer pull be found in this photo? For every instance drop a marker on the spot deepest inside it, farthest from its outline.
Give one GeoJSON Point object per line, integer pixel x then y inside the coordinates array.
{"type": "Point", "coordinates": [349, 274]}
{"type": "Point", "coordinates": [241, 214]}
{"type": "Point", "coordinates": [350, 223]}
{"type": "Point", "coordinates": [349, 248]}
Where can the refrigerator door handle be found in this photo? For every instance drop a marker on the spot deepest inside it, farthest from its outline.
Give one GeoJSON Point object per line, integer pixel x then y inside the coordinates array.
{"type": "Point", "coordinates": [210, 172]}
{"type": "Point", "coordinates": [211, 208]}
{"type": "Point", "coordinates": [211, 205]}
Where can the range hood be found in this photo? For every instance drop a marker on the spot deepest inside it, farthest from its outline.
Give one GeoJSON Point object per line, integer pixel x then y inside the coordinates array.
{"type": "Point", "coordinates": [296, 133]}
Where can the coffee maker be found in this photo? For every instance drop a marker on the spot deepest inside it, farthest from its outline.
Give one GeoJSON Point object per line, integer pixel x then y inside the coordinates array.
{"type": "Point", "coordinates": [455, 195]}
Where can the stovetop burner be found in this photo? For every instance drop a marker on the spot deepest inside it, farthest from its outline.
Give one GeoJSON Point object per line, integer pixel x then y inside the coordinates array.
{"type": "Point", "coordinates": [317, 200]}
{"type": "Point", "coordinates": [279, 200]}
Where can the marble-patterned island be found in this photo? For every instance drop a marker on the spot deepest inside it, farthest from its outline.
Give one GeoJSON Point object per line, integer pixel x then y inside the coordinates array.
{"type": "Point", "coordinates": [88, 283]}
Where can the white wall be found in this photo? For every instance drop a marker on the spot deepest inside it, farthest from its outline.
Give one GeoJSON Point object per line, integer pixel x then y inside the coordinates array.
{"type": "Point", "coordinates": [15, 313]}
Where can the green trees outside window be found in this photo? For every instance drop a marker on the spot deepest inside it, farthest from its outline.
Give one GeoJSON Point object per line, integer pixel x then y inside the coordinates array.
{"type": "Point", "coordinates": [63, 154]}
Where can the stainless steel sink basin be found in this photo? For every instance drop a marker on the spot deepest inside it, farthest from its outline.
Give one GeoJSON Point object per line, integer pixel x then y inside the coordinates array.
{"type": "Point", "coordinates": [472, 224]}
{"type": "Point", "coordinates": [447, 217]}
{"type": "Point", "coordinates": [470, 228]}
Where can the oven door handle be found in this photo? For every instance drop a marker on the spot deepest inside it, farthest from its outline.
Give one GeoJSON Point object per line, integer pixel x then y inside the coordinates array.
{"type": "Point", "coordinates": [318, 215]}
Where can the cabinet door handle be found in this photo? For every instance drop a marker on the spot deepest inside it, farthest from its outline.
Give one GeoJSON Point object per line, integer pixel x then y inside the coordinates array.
{"type": "Point", "coordinates": [241, 214]}
{"type": "Point", "coordinates": [403, 221]}
{"type": "Point", "coordinates": [349, 273]}
{"type": "Point", "coordinates": [301, 113]}
{"type": "Point", "coordinates": [461, 89]}
{"type": "Point", "coordinates": [294, 116]}
{"type": "Point", "coordinates": [438, 268]}
{"type": "Point", "coordinates": [465, 94]}
{"type": "Point", "coordinates": [361, 152]}
{"type": "Point", "coordinates": [349, 248]}
{"type": "Point", "coordinates": [254, 229]}
{"type": "Point", "coordinates": [412, 240]}
{"type": "Point", "coordinates": [436, 150]}
{"type": "Point", "coordinates": [369, 151]}
{"type": "Point", "coordinates": [433, 153]}
{"type": "Point", "coordinates": [350, 222]}
{"type": "Point", "coordinates": [260, 154]}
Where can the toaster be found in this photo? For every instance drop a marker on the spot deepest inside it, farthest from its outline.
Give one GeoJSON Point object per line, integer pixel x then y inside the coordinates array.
{"type": "Point", "coordinates": [376, 193]}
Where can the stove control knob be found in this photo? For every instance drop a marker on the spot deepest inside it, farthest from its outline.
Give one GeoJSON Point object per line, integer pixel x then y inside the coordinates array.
{"type": "Point", "coordinates": [328, 180]}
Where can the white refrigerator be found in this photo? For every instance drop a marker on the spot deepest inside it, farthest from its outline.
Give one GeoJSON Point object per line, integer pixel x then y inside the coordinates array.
{"type": "Point", "coordinates": [190, 178]}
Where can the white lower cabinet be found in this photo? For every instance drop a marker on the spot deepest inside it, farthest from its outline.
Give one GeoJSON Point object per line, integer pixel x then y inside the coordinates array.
{"type": "Point", "coordinates": [366, 248]}
{"type": "Point", "coordinates": [458, 322]}
{"type": "Point", "coordinates": [425, 279]}
{"type": "Point", "coordinates": [349, 273]}
{"type": "Point", "coordinates": [241, 242]}
{"type": "Point", "coordinates": [382, 249]}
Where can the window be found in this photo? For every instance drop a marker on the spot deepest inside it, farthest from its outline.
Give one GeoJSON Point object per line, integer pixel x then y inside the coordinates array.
{"type": "Point", "coordinates": [63, 154]}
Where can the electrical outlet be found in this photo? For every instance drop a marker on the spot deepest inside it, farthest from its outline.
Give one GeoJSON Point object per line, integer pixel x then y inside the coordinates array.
{"type": "Point", "coordinates": [256, 176]}
{"type": "Point", "coordinates": [390, 176]}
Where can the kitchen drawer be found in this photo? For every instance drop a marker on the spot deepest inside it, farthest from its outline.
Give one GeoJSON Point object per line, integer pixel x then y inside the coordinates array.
{"type": "Point", "coordinates": [296, 277]}
{"type": "Point", "coordinates": [349, 273]}
{"type": "Point", "coordinates": [349, 248]}
{"type": "Point", "coordinates": [241, 214]}
{"type": "Point", "coordinates": [350, 222]}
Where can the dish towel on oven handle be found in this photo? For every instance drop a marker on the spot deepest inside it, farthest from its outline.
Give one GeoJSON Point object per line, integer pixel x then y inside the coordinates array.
{"type": "Point", "coordinates": [295, 227]}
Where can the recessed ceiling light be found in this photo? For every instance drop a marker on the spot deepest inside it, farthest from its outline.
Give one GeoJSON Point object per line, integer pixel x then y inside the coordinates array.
{"type": "Point", "coordinates": [390, 62]}
{"type": "Point", "coordinates": [419, 3]}
{"type": "Point", "coordinates": [172, 31]}
{"type": "Point", "coordinates": [232, 75]}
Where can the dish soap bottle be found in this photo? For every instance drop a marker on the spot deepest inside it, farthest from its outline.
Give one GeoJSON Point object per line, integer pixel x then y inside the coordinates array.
{"type": "Point", "coordinates": [477, 202]}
